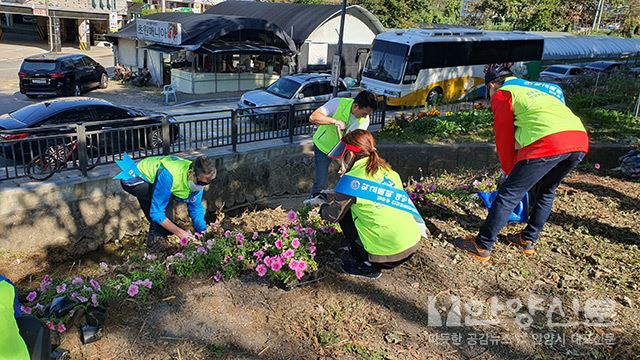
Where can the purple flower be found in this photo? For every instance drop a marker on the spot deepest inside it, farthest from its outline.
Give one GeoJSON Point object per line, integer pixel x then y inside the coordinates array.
{"type": "Point", "coordinates": [288, 254]}
{"type": "Point", "coordinates": [227, 233]}
{"type": "Point", "coordinates": [217, 277]}
{"type": "Point", "coordinates": [419, 187]}
{"type": "Point", "coordinates": [77, 281]}
{"type": "Point", "coordinates": [94, 299]}
{"type": "Point", "coordinates": [32, 296]}
{"type": "Point", "coordinates": [292, 216]}
{"type": "Point", "coordinates": [133, 290]}
{"type": "Point", "coordinates": [312, 249]}
{"type": "Point", "coordinates": [147, 283]}
{"type": "Point", "coordinates": [261, 270]}
{"type": "Point", "coordinates": [61, 288]}
{"type": "Point", "coordinates": [25, 309]}
{"type": "Point", "coordinates": [258, 254]}
{"type": "Point", "coordinates": [278, 244]}
{"type": "Point", "coordinates": [240, 258]}
{"type": "Point", "coordinates": [412, 195]}
{"type": "Point", "coordinates": [94, 284]}
{"type": "Point", "coordinates": [209, 244]}
{"type": "Point", "coordinates": [81, 298]}
{"type": "Point", "coordinates": [44, 284]}
{"type": "Point", "coordinates": [179, 255]}
{"type": "Point", "coordinates": [170, 258]}
{"type": "Point", "coordinates": [240, 238]}
{"type": "Point", "coordinates": [431, 188]}
{"type": "Point", "coordinates": [596, 166]}
{"type": "Point", "coordinates": [184, 241]}
{"type": "Point", "coordinates": [332, 231]}
{"type": "Point", "coordinates": [295, 243]}
{"type": "Point", "coordinates": [61, 328]}
{"type": "Point", "coordinates": [104, 266]}
{"type": "Point", "coordinates": [309, 231]}
{"type": "Point", "coordinates": [201, 250]}
{"type": "Point", "coordinates": [255, 235]}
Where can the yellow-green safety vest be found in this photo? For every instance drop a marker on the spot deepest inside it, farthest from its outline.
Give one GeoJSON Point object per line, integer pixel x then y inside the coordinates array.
{"type": "Point", "coordinates": [12, 346]}
{"type": "Point", "coordinates": [538, 114]}
{"type": "Point", "coordinates": [177, 167]}
{"type": "Point", "coordinates": [326, 137]}
{"type": "Point", "coordinates": [383, 230]}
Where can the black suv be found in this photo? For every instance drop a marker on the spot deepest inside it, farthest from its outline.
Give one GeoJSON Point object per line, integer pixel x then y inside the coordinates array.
{"type": "Point", "coordinates": [60, 74]}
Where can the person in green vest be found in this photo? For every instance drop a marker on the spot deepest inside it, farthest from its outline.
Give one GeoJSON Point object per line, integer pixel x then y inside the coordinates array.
{"type": "Point", "coordinates": [539, 142]}
{"type": "Point", "coordinates": [21, 337]}
{"type": "Point", "coordinates": [170, 179]}
{"type": "Point", "coordinates": [337, 116]}
{"type": "Point", "coordinates": [379, 236]}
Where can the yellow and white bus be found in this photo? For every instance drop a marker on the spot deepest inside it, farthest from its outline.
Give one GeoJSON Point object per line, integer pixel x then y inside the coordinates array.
{"type": "Point", "coordinates": [414, 67]}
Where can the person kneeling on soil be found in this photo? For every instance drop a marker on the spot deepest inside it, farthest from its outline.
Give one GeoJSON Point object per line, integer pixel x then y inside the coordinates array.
{"type": "Point", "coordinates": [170, 179]}
{"type": "Point", "coordinates": [22, 337]}
{"type": "Point", "coordinates": [381, 225]}
{"type": "Point", "coordinates": [539, 141]}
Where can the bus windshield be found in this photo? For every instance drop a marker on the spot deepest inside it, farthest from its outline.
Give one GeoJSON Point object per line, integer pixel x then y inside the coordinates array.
{"type": "Point", "coordinates": [386, 61]}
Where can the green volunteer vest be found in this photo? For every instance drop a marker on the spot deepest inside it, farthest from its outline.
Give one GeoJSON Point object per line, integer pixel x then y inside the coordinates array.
{"type": "Point", "coordinates": [177, 167]}
{"type": "Point", "coordinates": [383, 230]}
{"type": "Point", "coordinates": [537, 114]}
{"type": "Point", "coordinates": [12, 347]}
{"type": "Point", "coordinates": [326, 137]}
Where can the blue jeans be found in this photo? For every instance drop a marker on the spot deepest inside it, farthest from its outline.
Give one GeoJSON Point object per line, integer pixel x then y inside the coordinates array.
{"type": "Point", "coordinates": [545, 174]}
{"type": "Point", "coordinates": [321, 161]}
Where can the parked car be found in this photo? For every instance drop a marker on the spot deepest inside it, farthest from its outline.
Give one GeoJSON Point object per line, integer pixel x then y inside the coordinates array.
{"type": "Point", "coordinates": [288, 90]}
{"type": "Point", "coordinates": [603, 66]}
{"type": "Point", "coordinates": [560, 73]}
{"type": "Point", "coordinates": [38, 119]}
{"type": "Point", "coordinates": [60, 75]}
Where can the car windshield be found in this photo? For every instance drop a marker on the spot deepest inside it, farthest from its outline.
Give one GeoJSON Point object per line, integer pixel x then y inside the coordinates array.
{"type": "Point", "coordinates": [284, 88]}
{"type": "Point", "coordinates": [386, 61]}
{"type": "Point", "coordinates": [557, 70]}
{"type": "Point", "coordinates": [29, 114]}
{"type": "Point", "coordinates": [29, 65]}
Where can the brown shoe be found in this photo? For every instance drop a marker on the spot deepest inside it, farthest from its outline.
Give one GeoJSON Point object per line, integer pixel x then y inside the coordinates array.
{"type": "Point", "coordinates": [527, 246]}
{"type": "Point", "coordinates": [469, 245]}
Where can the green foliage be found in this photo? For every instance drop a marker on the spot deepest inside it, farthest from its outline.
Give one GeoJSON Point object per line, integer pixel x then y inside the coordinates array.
{"type": "Point", "coordinates": [145, 12]}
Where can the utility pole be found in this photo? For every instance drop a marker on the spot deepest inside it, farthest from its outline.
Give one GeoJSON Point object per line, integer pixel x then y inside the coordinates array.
{"type": "Point", "coordinates": [596, 21]}
{"type": "Point", "coordinates": [335, 67]}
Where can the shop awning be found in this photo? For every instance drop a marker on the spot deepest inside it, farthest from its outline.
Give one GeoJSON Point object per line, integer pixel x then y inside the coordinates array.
{"type": "Point", "coordinates": [240, 48]}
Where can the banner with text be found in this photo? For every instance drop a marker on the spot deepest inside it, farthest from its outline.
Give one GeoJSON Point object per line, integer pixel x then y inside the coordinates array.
{"type": "Point", "coordinates": [159, 31]}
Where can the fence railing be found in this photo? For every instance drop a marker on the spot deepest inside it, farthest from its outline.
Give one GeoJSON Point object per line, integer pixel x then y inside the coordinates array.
{"type": "Point", "coordinates": [40, 152]}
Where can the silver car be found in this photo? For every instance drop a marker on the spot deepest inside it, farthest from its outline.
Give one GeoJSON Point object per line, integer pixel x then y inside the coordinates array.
{"type": "Point", "coordinates": [295, 89]}
{"type": "Point", "coordinates": [560, 74]}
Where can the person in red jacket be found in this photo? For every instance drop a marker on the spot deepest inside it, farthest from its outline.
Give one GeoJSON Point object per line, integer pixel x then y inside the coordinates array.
{"type": "Point", "coordinates": [539, 141]}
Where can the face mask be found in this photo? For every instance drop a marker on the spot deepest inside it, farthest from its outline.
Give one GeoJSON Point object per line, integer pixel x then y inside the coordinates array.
{"type": "Point", "coordinates": [195, 187]}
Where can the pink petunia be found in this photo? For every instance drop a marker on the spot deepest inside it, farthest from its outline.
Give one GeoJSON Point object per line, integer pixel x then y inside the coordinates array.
{"type": "Point", "coordinates": [240, 238]}
{"type": "Point", "coordinates": [240, 258]}
{"type": "Point", "coordinates": [293, 264]}
{"type": "Point", "coordinates": [94, 299]}
{"type": "Point", "coordinates": [217, 277]}
{"type": "Point", "coordinates": [476, 183]}
{"type": "Point", "coordinates": [299, 274]}
{"type": "Point", "coordinates": [267, 261]}
{"type": "Point", "coordinates": [51, 325]}
{"type": "Point", "coordinates": [255, 235]}
{"type": "Point", "coordinates": [302, 265]}
{"type": "Point", "coordinates": [288, 254]}
{"type": "Point", "coordinates": [227, 259]}
{"type": "Point", "coordinates": [201, 250]}
{"type": "Point", "coordinates": [309, 231]}
{"type": "Point", "coordinates": [278, 244]}
{"type": "Point", "coordinates": [133, 290]}
{"type": "Point", "coordinates": [77, 281]}
{"type": "Point", "coordinates": [332, 231]}
{"type": "Point", "coordinates": [227, 233]}
{"type": "Point", "coordinates": [184, 241]}
{"type": "Point", "coordinates": [261, 270]}
{"type": "Point", "coordinates": [179, 255]}
{"type": "Point", "coordinates": [147, 283]}
{"type": "Point", "coordinates": [292, 216]}
{"type": "Point", "coordinates": [61, 328]}
{"type": "Point", "coordinates": [295, 243]}
{"type": "Point", "coordinates": [25, 309]}
{"type": "Point", "coordinates": [259, 254]}
{"type": "Point", "coordinates": [596, 166]}
{"type": "Point", "coordinates": [61, 288]}
{"type": "Point", "coordinates": [32, 296]}
{"type": "Point", "coordinates": [94, 284]}
{"type": "Point", "coordinates": [312, 249]}
{"type": "Point", "coordinates": [276, 266]}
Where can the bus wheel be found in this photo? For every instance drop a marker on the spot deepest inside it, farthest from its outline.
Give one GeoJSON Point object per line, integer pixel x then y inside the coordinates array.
{"type": "Point", "coordinates": [434, 96]}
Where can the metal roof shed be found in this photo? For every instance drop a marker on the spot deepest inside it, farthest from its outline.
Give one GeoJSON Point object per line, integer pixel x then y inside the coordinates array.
{"type": "Point", "coordinates": [570, 47]}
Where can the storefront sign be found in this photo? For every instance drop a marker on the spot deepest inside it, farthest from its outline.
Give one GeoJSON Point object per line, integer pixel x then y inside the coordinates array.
{"type": "Point", "coordinates": [40, 12]}
{"type": "Point", "coordinates": [159, 31]}
{"type": "Point", "coordinates": [113, 22]}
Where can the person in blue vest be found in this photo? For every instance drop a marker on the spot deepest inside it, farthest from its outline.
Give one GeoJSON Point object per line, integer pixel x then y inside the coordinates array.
{"type": "Point", "coordinates": [22, 337]}
{"type": "Point", "coordinates": [170, 179]}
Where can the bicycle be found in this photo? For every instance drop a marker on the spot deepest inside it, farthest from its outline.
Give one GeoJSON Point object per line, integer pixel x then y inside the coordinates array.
{"type": "Point", "coordinates": [56, 157]}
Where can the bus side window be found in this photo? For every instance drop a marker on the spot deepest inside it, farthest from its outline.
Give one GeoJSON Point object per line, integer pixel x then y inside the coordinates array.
{"type": "Point", "coordinates": [414, 64]}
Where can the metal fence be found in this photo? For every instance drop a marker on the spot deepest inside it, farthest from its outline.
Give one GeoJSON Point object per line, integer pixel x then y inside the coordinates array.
{"type": "Point", "coordinates": [40, 152]}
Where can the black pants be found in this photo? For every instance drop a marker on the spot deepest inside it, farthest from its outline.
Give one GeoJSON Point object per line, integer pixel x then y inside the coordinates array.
{"type": "Point", "coordinates": [36, 335]}
{"type": "Point", "coordinates": [355, 245]}
{"type": "Point", "coordinates": [144, 193]}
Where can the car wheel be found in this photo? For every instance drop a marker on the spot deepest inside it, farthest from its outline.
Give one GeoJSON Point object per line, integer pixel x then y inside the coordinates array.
{"type": "Point", "coordinates": [434, 96]}
{"type": "Point", "coordinates": [154, 139]}
{"type": "Point", "coordinates": [76, 90]}
{"type": "Point", "coordinates": [104, 81]}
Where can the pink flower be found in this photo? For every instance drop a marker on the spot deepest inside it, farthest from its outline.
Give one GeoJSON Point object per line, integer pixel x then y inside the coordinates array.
{"type": "Point", "coordinates": [255, 235]}
{"type": "Point", "coordinates": [25, 309]}
{"type": "Point", "coordinates": [309, 231]}
{"type": "Point", "coordinates": [104, 266]}
{"type": "Point", "coordinates": [82, 299]}
{"type": "Point", "coordinates": [217, 277]}
{"type": "Point", "coordinates": [312, 249]}
{"type": "Point", "coordinates": [293, 264]}
{"type": "Point", "coordinates": [488, 182]}
{"type": "Point", "coordinates": [44, 284]}
{"type": "Point", "coordinates": [94, 284]}
{"type": "Point", "coordinates": [295, 243]}
{"type": "Point", "coordinates": [227, 233]}
{"type": "Point", "coordinates": [292, 216]}
{"type": "Point", "coordinates": [261, 270]}
{"type": "Point", "coordinates": [201, 250]}
{"type": "Point", "coordinates": [77, 281]}
{"type": "Point", "coordinates": [209, 244]}
{"type": "Point", "coordinates": [61, 328]}
{"type": "Point", "coordinates": [51, 325]}
{"type": "Point", "coordinates": [332, 231]}
{"type": "Point", "coordinates": [267, 261]}
{"type": "Point", "coordinates": [184, 241]}
{"type": "Point", "coordinates": [302, 265]}
{"type": "Point", "coordinates": [476, 183]}
{"type": "Point", "coordinates": [179, 255]}
{"type": "Point", "coordinates": [288, 254]}
{"type": "Point", "coordinates": [596, 166]}
{"type": "Point", "coordinates": [133, 290]}
{"type": "Point", "coordinates": [276, 266]}
{"type": "Point", "coordinates": [299, 274]}
{"type": "Point", "coordinates": [240, 258]}
{"type": "Point", "coordinates": [32, 296]}
{"type": "Point", "coordinates": [94, 299]}
{"type": "Point", "coordinates": [147, 283]}
{"type": "Point", "coordinates": [227, 259]}
{"type": "Point", "coordinates": [258, 254]}
{"type": "Point", "coordinates": [61, 288]}
{"type": "Point", "coordinates": [240, 238]}
{"type": "Point", "coordinates": [278, 244]}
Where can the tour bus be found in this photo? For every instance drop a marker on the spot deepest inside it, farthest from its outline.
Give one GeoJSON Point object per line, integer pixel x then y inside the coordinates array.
{"type": "Point", "coordinates": [416, 67]}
